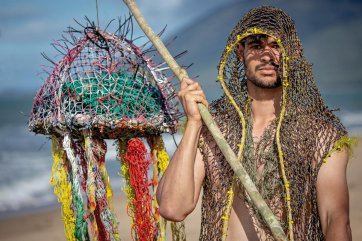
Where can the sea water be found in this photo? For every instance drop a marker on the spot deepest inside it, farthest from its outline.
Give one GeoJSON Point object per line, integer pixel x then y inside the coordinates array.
{"type": "Point", "coordinates": [26, 161]}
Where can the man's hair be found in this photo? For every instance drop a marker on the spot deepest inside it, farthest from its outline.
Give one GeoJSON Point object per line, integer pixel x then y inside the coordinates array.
{"type": "Point", "coordinates": [254, 37]}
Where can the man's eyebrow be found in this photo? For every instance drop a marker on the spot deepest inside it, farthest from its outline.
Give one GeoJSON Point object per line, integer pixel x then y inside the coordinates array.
{"type": "Point", "coordinates": [252, 41]}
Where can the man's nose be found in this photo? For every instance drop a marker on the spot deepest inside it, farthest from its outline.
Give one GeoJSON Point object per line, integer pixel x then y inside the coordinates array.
{"type": "Point", "coordinates": [268, 54]}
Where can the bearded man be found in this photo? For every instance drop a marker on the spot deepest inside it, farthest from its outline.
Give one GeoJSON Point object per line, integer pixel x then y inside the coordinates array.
{"type": "Point", "coordinates": [272, 114]}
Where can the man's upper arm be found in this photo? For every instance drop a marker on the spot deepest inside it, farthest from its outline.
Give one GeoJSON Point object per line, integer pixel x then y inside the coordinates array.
{"type": "Point", "coordinates": [332, 190]}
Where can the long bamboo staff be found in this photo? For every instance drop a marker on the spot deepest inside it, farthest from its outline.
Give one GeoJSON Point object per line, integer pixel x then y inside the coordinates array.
{"type": "Point", "coordinates": [230, 156]}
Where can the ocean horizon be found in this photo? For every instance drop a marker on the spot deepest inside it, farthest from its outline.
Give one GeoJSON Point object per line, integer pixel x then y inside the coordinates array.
{"type": "Point", "coordinates": [26, 161]}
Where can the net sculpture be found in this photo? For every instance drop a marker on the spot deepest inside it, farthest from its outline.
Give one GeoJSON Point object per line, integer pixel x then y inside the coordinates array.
{"type": "Point", "coordinates": [106, 87]}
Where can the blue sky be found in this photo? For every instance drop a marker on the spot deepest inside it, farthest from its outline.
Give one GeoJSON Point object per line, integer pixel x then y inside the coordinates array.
{"type": "Point", "coordinates": [28, 27]}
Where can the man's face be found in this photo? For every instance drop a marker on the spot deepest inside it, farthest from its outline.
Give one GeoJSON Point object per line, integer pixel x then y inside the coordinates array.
{"type": "Point", "coordinates": [261, 55]}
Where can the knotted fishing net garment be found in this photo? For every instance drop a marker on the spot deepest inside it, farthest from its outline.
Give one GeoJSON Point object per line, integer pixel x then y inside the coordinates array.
{"type": "Point", "coordinates": [292, 149]}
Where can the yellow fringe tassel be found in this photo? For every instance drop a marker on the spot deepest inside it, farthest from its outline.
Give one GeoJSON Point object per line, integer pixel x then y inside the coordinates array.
{"type": "Point", "coordinates": [162, 163]}
{"type": "Point", "coordinates": [163, 160]}
{"type": "Point", "coordinates": [62, 188]}
{"type": "Point", "coordinates": [343, 142]}
{"type": "Point", "coordinates": [227, 211]}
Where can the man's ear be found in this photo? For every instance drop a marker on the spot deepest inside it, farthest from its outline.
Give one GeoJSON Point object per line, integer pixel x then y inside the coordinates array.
{"type": "Point", "coordinates": [239, 50]}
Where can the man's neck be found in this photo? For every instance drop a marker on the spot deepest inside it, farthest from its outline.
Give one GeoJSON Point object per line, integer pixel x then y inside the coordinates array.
{"type": "Point", "coordinates": [265, 104]}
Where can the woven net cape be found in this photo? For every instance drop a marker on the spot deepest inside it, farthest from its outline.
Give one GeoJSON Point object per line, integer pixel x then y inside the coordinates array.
{"type": "Point", "coordinates": [106, 87]}
{"type": "Point", "coordinates": [292, 149]}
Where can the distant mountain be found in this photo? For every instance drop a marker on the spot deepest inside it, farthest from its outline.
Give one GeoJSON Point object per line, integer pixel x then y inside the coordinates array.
{"type": "Point", "coordinates": [205, 40]}
{"type": "Point", "coordinates": [330, 31]}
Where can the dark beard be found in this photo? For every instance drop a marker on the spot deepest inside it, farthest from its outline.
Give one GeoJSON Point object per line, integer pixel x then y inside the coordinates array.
{"type": "Point", "coordinates": [260, 84]}
{"type": "Point", "coordinates": [263, 85]}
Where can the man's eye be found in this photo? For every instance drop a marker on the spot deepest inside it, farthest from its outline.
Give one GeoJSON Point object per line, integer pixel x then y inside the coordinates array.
{"type": "Point", "coordinates": [275, 46]}
{"type": "Point", "coordinates": [255, 46]}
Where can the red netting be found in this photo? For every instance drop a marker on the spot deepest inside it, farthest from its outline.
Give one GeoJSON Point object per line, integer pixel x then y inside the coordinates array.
{"type": "Point", "coordinates": [144, 226]}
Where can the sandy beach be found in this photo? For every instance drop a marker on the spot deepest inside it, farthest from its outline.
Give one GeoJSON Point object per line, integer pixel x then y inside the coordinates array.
{"type": "Point", "coordinates": [47, 225]}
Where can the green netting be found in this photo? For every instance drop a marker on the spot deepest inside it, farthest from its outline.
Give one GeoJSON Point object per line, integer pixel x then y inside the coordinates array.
{"type": "Point", "coordinates": [116, 95]}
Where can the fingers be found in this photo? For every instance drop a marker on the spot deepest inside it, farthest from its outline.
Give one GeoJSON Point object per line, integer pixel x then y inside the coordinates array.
{"type": "Point", "coordinates": [190, 95]}
{"type": "Point", "coordinates": [200, 99]}
{"type": "Point", "coordinates": [189, 102]}
{"type": "Point", "coordinates": [189, 84]}
{"type": "Point", "coordinates": [182, 93]}
{"type": "Point", "coordinates": [196, 96]}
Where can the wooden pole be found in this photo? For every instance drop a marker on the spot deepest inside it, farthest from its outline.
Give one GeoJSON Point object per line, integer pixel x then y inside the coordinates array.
{"type": "Point", "coordinates": [230, 156]}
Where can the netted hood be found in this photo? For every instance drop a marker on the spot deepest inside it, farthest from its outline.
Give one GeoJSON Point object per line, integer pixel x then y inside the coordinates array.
{"type": "Point", "coordinates": [300, 92]}
{"type": "Point", "coordinates": [273, 21]}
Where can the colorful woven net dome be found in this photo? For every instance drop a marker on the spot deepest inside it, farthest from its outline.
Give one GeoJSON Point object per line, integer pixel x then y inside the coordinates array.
{"type": "Point", "coordinates": [105, 83]}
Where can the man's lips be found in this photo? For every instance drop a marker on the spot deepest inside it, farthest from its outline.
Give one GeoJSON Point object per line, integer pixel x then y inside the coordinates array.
{"type": "Point", "coordinates": [267, 70]}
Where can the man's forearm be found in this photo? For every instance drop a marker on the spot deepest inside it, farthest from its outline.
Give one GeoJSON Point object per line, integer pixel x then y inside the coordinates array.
{"type": "Point", "coordinates": [338, 231]}
{"type": "Point", "coordinates": [176, 191]}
